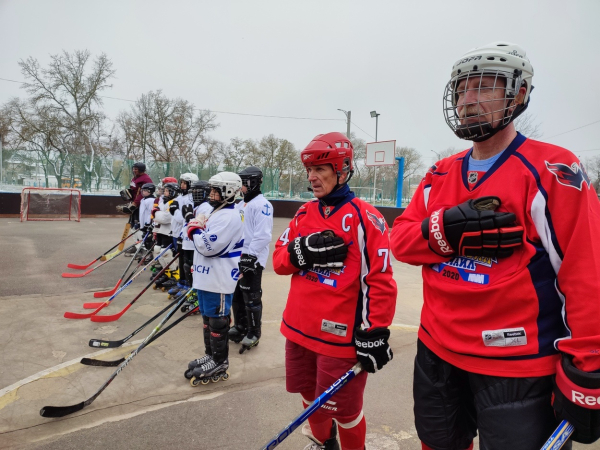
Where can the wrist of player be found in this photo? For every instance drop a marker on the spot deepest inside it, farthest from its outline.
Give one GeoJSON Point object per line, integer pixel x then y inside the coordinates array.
{"type": "Point", "coordinates": [372, 348]}
{"type": "Point", "coordinates": [577, 399]}
{"type": "Point", "coordinates": [248, 263]}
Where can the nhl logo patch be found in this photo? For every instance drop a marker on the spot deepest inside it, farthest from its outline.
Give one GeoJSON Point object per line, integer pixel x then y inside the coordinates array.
{"type": "Point", "coordinates": [472, 177]}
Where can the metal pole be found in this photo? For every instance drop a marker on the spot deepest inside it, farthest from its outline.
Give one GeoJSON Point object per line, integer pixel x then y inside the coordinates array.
{"type": "Point", "coordinates": [348, 116]}
{"type": "Point", "coordinates": [400, 181]}
{"type": "Point", "coordinates": [1, 159]}
{"type": "Point", "coordinates": [290, 182]}
{"type": "Point", "coordinates": [376, 126]}
{"type": "Point", "coordinates": [375, 174]}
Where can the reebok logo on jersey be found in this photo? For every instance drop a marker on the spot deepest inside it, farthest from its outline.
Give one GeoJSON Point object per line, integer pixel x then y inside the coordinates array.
{"type": "Point", "coordinates": [436, 234]}
{"type": "Point", "coordinates": [370, 344]}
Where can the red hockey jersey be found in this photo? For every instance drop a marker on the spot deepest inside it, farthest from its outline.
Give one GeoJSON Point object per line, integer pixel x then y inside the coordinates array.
{"type": "Point", "coordinates": [508, 317]}
{"type": "Point", "coordinates": [324, 306]}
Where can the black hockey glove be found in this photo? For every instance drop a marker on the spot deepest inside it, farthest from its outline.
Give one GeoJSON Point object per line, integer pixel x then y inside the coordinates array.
{"type": "Point", "coordinates": [372, 348]}
{"type": "Point", "coordinates": [473, 228]}
{"type": "Point", "coordinates": [323, 249]}
{"type": "Point", "coordinates": [577, 399]}
{"type": "Point", "coordinates": [174, 206]}
{"type": "Point", "coordinates": [187, 211]}
{"type": "Point", "coordinates": [126, 195]}
{"type": "Point", "coordinates": [248, 263]}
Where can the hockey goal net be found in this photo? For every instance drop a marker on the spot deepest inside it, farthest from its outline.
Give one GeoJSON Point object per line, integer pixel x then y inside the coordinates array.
{"type": "Point", "coordinates": [50, 204]}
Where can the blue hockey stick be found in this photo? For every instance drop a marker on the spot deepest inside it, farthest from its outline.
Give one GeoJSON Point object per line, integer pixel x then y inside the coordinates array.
{"type": "Point", "coordinates": [319, 401]}
{"type": "Point", "coordinates": [559, 437]}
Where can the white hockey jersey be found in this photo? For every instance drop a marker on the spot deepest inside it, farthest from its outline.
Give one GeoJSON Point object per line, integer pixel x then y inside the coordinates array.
{"type": "Point", "coordinates": [218, 250]}
{"type": "Point", "coordinates": [177, 220]}
{"type": "Point", "coordinates": [162, 218]}
{"type": "Point", "coordinates": [146, 206]}
{"type": "Point", "coordinates": [205, 209]}
{"type": "Point", "coordinates": [257, 215]}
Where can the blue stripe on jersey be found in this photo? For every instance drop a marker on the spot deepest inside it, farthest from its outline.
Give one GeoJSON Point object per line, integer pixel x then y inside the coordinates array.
{"type": "Point", "coordinates": [510, 150]}
{"type": "Point", "coordinates": [549, 321]}
{"type": "Point", "coordinates": [368, 263]}
{"type": "Point", "coordinates": [349, 344]}
{"type": "Point", "coordinates": [231, 255]}
{"type": "Point", "coordinates": [538, 182]}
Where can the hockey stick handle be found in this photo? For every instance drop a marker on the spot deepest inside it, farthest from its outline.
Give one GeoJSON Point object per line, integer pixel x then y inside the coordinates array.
{"type": "Point", "coordinates": [559, 437]}
{"type": "Point", "coordinates": [115, 246]}
{"type": "Point", "coordinates": [319, 401]}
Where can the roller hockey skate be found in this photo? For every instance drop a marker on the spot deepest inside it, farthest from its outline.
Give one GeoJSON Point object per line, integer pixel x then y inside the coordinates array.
{"type": "Point", "coordinates": [210, 371]}
{"type": "Point", "coordinates": [249, 341]}
{"type": "Point", "coordinates": [196, 363]}
{"type": "Point", "coordinates": [179, 288]}
{"type": "Point", "coordinates": [158, 284]}
{"type": "Point", "coordinates": [329, 444]}
{"type": "Point", "coordinates": [236, 335]}
{"type": "Point", "coordinates": [172, 281]}
{"type": "Point", "coordinates": [190, 303]}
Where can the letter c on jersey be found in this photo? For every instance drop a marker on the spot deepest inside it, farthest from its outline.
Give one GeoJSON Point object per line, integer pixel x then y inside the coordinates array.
{"type": "Point", "coordinates": [344, 226]}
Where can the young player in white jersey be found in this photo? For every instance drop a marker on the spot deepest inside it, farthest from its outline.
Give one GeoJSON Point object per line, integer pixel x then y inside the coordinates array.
{"type": "Point", "coordinates": [218, 241]}
{"type": "Point", "coordinates": [146, 206]}
{"type": "Point", "coordinates": [177, 223]}
{"type": "Point", "coordinates": [247, 306]}
{"type": "Point", "coordinates": [162, 228]}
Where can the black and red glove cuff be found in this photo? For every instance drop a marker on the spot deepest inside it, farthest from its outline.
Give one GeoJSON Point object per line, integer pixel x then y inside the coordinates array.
{"type": "Point", "coordinates": [432, 229]}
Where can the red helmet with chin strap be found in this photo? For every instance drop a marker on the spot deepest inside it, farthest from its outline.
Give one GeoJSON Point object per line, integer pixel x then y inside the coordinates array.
{"type": "Point", "coordinates": [331, 148]}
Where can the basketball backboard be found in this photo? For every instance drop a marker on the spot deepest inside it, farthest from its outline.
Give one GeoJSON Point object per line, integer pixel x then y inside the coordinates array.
{"type": "Point", "coordinates": [381, 153]}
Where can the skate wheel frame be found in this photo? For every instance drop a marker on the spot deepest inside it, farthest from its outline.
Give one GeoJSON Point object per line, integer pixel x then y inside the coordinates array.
{"type": "Point", "coordinates": [194, 382]}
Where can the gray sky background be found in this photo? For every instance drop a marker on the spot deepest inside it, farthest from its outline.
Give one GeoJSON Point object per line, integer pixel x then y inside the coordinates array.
{"type": "Point", "coordinates": [308, 58]}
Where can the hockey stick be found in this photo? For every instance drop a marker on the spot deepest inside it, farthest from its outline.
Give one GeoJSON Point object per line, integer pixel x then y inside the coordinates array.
{"type": "Point", "coordinates": [114, 344]}
{"type": "Point", "coordinates": [78, 267]}
{"type": "Point", "coordinates": [121, 245]}
{"type": "Point", "coordinates": [117, 316]}
{"type": "Point", "coordinates": [83, 274]}
{"type": "Point", "coordinates": [60, 411]}
{"type": "Point", "coordinates": [72, 315]}
{"type": "Point", "coordinates": [559, 437]}
{"type": "Point", "coordinates": [110, 292]}
{"type": "Point", "coordinates": [100, 363]}
{"type": "Point", "coordinates": [319, 401]}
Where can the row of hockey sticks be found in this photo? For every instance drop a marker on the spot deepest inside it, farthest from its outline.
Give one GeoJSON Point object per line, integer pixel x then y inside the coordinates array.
{"type": "Point", "coordinates": [117, 316]}
{"type": "Point", "coordinates": [71, 315]}
{"type": "Point", "coordinates": [102, 294]}
{"type": "Point", "coordinates": [60, 411]}
{"type": "Point", "coordinates": [78, 267]}
{"type": "Point", "coordinates": [559, 437]}
{"type": "Point", "coordinates": [114, 363]}
{"type": "Point", "coordinates": [87, 272]}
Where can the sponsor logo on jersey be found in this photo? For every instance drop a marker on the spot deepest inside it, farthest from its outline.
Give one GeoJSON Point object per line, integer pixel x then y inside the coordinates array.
{"type": "Point", "coordinates": [235, 274]}
{"type": "Point", "coordinates": [212, 237]}
{"type": "Point", "coordinates": [266, 212]}
{"type": "Point", "coordinates": [471, 262]}
{"type": "Point", "coordinates": [378, 222]}
{"type": "Point", "coordinates": [574, 175]}
{"type": "Point", "coordinates": [472, 177]}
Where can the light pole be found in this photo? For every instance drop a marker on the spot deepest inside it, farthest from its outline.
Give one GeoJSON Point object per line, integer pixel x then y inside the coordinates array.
{"type": "Point", "coordinates": [348, 116]}
{"type": "Point", "coordinates": [437, 154]}
{"type": "Point", "coordinates": [376, 115]}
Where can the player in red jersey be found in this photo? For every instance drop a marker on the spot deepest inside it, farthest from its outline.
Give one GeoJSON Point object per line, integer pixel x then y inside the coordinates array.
{"type": "Point", "coordinates": [505, 231]}
{"type": "Point", "coordinates": [342, 296]}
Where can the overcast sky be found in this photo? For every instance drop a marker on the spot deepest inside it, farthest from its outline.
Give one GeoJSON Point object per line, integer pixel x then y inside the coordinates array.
{"type": "Point", "coordinates": [308, 58]}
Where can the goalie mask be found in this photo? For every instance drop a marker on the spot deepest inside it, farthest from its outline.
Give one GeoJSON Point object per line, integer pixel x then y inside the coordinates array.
{"type": "Point", "coordinates": [484, 93]}
{"type": "Point", "coordinates": [200, 191]}
{"type": "Point", "coordinates": [252, 178]}
{"type": "Point", "coordinates": [188, 179]}
{"type": "Point", "coordinates": [227, 185]}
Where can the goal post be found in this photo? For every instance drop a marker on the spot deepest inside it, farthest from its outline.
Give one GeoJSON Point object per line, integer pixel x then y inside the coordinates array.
{"type": "Point", "coordinates": [50, 204]}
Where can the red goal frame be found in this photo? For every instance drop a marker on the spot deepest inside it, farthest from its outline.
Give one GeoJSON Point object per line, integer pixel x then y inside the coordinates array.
{"type": "Point", "coordinates": [26, 200]}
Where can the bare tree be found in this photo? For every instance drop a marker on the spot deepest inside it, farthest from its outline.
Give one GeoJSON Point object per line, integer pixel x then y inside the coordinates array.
{"type": "Point", "coordinates": [527, 126]}
{"type": "Point", "coordinates": [234, 154]}
{"type": "Point", "coordinates": [69, 90]}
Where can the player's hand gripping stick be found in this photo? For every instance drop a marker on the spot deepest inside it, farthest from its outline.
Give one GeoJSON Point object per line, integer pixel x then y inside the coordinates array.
{"type": "Point", "coordinates": [372, 348]}
{"type": "Point", "coordinates": [473, 228]}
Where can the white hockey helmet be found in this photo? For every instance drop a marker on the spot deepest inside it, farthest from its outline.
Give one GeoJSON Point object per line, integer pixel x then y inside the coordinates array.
{"type": "Point", "coordinates": [503, 61]}
{"type": "Point", "coordinates": [228, 184]}
{"type": "Point", "coordinates": [189, 178]}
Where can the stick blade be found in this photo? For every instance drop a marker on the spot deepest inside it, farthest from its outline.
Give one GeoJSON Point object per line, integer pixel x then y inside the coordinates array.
{"type": "Point", "coordinates": [72, 315]}
{"type": "Point", "coordinates": [99, 343]}
{"type": "Point", "coordinates": [99, 363]}
{"type": "Point", "coordinates": [74, 275]}
{"type": "Point", "coordinates": [61, 411]}
{"type": "Point", "coordinates": [110, 318]}
{"type": "Point", "coordinates": [92, 305]}
{"type": "Point", "coordinates": [102, 294]}
{"type": "Point", "coordinates": [75, 266]}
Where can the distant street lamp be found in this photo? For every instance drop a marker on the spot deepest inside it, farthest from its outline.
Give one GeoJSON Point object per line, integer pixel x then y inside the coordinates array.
{"type": "Point", "coordinates": [374, 114]}
{"type": "Point", "coordinates": [437, 154]}
{"type": "Point", "coordinates": [348, 116]}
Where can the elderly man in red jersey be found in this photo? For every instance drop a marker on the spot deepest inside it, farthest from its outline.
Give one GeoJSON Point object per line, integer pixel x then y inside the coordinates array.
{"type": "Point", "coordinates": [509, 336]}
{"type": "Point", "coordinates": [342, 296]}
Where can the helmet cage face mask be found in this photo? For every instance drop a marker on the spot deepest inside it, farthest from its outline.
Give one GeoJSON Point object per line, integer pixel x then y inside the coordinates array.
{"type": "Point", "coordinates": [509, 70]}
{"type": "Point", "coordinates": [200, 193]}
{"type": "Point", "coordinates": [251, 182]}
{"type": "Point", "coordinates": [170, 191]}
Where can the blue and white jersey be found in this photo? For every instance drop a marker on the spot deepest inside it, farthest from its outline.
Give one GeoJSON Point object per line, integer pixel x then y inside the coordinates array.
{"type": "Point", "coordinates": [258, 227]}
{"type": "Point", "coordinates": [205, 209]}
{"type": "Point", "coordinates": [146, 206]}
{"type": "Point", "coordinates": [217, 252]}
{"type": "Point", "coordinates": [177, 220]}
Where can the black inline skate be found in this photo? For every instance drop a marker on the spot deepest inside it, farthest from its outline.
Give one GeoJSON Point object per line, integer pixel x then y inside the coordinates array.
{"type": "Point", "coordinates": [210, 371]}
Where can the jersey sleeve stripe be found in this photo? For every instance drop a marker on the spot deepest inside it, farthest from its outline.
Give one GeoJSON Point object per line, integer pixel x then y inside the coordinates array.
{"type": "Point", "coordinates": [365, 268]}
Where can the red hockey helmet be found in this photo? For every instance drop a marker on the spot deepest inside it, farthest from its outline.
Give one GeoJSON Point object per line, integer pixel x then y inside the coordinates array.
{"type": "Point", "coordinates": [331, 148]}
{"type": "Point", "coordinates": [169, 180]}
